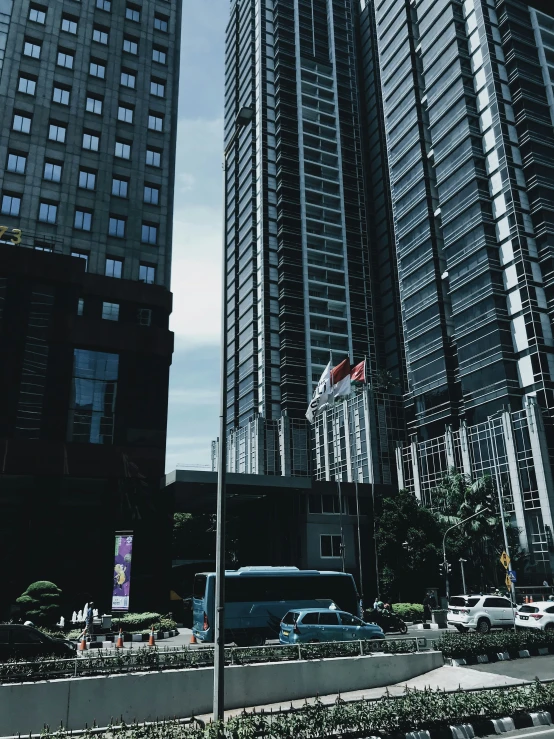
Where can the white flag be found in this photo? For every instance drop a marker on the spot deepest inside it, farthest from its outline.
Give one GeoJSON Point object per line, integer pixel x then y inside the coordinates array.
{"type": "Point", "coordinates": [321, 394]}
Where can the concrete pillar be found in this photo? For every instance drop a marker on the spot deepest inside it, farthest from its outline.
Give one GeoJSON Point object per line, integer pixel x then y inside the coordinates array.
{"type": "Point", "coordinates": [284, 445]}
{"type": "Point", "coordinates": [259, 457]}
{"type": "Point", "coordinates": [449, 446]}
{"type": "Point", "coordinates": [464, 446]}
{"type": "Point", "coordinates": [511, 454]}
{"type": "Point", "coordinates": [541, 461]}
{"type": "Point", "coordinates": [415, 465]}
{"type": "Point", "coordinates": [349, 434]}
{"type": "Point", "coordinates": [399, 465]}
{"type": "Point", "coordinates": [326, 444]}
{"type": "Point", "coordinates": [372, 468]}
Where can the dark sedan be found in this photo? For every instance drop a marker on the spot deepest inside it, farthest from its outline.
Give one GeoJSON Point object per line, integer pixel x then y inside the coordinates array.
{"type": "Point", "coordinates": [28, 643]}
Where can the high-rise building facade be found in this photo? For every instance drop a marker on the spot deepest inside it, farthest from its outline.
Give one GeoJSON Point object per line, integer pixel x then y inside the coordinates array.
{"type": "Point", "coordinates": [468, 115]}
{"type": "Point", "coordinates": [87, 148]}
{"type": "Point", "coordinates": [298, 261]}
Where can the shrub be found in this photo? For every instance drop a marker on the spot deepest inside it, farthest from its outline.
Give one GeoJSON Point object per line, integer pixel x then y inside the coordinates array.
{"type": "Point", "coordinates": [41, 603]}
{"type": "Point", "coordinates": [408, 611]}
{"type": "Point", "coordinates": [140, 622]}
{"type": "Point", "coordinates": [472, 644]}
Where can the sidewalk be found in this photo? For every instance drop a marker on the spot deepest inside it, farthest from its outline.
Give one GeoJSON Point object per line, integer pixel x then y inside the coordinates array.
{"type": "Point", "coordinates": [444, 678]}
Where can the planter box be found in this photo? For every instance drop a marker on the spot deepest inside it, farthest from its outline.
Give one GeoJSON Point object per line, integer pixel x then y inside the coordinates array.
{"type": "Point", "coordinates": [440, 618]}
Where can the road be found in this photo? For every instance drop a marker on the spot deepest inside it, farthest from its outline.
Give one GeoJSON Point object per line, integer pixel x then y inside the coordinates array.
{"type": "Point", "coordinates": [523, 669]}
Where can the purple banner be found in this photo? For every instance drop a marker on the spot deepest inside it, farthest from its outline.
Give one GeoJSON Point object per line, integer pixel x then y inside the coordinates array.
{"type": "Point", "coordinates": [122, 572]}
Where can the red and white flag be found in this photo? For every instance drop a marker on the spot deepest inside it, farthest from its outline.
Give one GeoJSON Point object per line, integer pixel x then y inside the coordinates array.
{"type": "Point", "coordinates": [357, 374]}
{"type": "Point", "coordinates": [340, 379]}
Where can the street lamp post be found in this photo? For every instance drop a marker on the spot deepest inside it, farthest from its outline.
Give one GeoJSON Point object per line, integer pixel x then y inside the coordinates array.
{"type": "Point", "coordinates": [462, 560]}
{"type": "Point", "coordinates": [243, 118]}
{"type": "Point", "coordinates": [444, 546]}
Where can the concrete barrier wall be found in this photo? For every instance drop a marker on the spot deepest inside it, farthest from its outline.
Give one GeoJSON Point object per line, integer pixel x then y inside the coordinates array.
{"type": "Point", "coordinates": [27, 707]}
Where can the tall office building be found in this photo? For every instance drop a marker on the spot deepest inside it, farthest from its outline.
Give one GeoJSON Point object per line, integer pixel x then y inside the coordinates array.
{"type": "Point", "coordinates": [87, 146]}
{"type": "Point", "coordinates": [469, 112]}
{"type": "Point", "coordinates": [302, 285]}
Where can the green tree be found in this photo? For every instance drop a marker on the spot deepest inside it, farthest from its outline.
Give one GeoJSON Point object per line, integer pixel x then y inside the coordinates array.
{"type": "Point", "coordinates": [41, 603]}
{"type": "Point", "coordinates": [405, 573]}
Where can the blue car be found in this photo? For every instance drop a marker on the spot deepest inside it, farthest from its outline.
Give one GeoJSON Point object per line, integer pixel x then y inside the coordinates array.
{"type": "Point", "coordinates": [307, 625]}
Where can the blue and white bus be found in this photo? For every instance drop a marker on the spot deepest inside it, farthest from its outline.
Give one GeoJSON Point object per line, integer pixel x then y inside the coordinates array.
{"type": "Point", "coordinates": [257, 598]}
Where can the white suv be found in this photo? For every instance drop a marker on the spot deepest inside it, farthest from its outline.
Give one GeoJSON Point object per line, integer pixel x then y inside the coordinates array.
{"type": "Point", "coordinates": [536, 616]}
{"type": "Point", "coordinates": [480, 612]}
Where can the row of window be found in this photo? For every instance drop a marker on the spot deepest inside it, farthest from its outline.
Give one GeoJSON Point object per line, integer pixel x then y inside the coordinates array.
{"type": "Point", "coordinates": [27, 83]}
{"type": "Point", "coordinates": [110, 312]}
{"type": "Point", "coordinates": [114, 266]}
{"type": "Point", "coordinates": [70, 23]}
{"type": "Point", "coordinates": [91, 140]}
{"type": "Point", "coordinates": [87, 178]}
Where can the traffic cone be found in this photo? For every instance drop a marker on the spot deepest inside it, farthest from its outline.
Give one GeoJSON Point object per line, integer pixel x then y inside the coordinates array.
{"type": "Point", "coordinates": [151, 640]}
{"type": "Point", "coordinates": [192, 639]}
{"type": "Point", "coordinates": [526, 599]}
{"type": "Point", "coordinates": [119, 644]}
{"type": "Point", "coordinates": [83, 644]}
{"type": "Point", "coordinates": [530, 599]}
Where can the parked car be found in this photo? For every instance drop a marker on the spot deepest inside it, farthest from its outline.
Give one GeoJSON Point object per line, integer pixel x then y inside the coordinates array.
{"type": "Point", "coordinates": [27, 642]}
{"type": "Point", "coordinates": [480, 612]}
{"type": "Point", "coordinates": [536, 616]}
{"type": "Point", "coordinates": [308, 625]}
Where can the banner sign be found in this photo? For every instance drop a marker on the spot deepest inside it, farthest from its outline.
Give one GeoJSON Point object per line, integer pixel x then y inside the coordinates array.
{"type": "Point", "coordinates": [122, 571]}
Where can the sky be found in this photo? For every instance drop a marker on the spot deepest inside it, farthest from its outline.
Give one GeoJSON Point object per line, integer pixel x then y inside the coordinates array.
{"type": "Point", "coordinates": [197, 237]}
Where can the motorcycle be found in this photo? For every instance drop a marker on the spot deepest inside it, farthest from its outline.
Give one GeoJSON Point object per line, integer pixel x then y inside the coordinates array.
{"type": "Point", "coordinates": [389, 622]}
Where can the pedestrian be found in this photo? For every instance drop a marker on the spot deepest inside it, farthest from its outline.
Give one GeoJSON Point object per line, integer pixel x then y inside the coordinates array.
{"type": "Point", "coordinates": [376, 603]}
{"type": "Point", "coordinates": [89, 619]}
{"type": "Point", "coordinates": [427, 610]}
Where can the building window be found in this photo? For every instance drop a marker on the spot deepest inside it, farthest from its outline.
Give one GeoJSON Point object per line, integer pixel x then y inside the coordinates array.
{"type": "Point", "coordinates": [144, 316]}
{"type": "Point", "coordinates": [153, 158]}
{"type": "Point", "coordinates": [81, 255]}
{"type": "Point", "coordinates": [94, 105]}
{"type": "Point", "coordinates": [32, 49]}
{"type": "Point", "coordinates": [80, 306]}
{"type": "Point", "coordinates": [91, 141]}
{"type": "Point", "coordinates": [83, 220]}
{"type": "Point", "coordinates": [27, 85]}
{"type": "Point", "coordinates": [65, 59]}
{"type": "Point", "coordinates": [100, 35]}
{"type": "Point", "coordinates": [122, 150]}
{"type": "Point", "coordinates": [93, 397]}
{"type": "Point", "coordinates": [87, 179]}
{"type": "Point", "coordinates": [60, 95]}
{"type": "Point", "coordinates": [37, 14]}
{"type": "Point", "coordinates": [130, 45]}
{"type": "Point", "coordinates": [97, 69]}
{"type": "Point", "coordinates": [330, 545]}
{"type": "Point", "coordinates": [125, 114]}
{"type": "Point", "coordinates": [132, 13]}
{"type": "Point", "coordinates": [104, 5]}
{"type": "Point", "coordinates": [160, 23]}
{"type": "Point", "coordinates": [21, 123]}
{"type": "Point", "coordinates": [155, 122]}
{"type": "Point", "coordinates": [114, 267]}
{"type": "Point", "coordinates": [47, 212]}
{"type": "Point", "coordinates": [16, 163]}
{"type": "Point", "coordinates": [11, 205]}
{"type": "Point", "coordinates": [57, 132]}
{"type": "Point", "coordinates": [149, 233]}
{"type": "Point", "coordinates": [151, 194]}
{"type": "Point", "coordinates": [147, 274]}
{"type": "Point", "coordinates": [159, 55]}
{"type": "Point", "coordinates": [157, 88]}
{"type": "Point", "coordinates": [69, 24]}
{"type": "Point", "coordinates": [52, 171]}
{"type": "Point", "coordinates": [119, 187]}
{"type": "Point", "coordinates": [128, 79]}
{"type": "Point", "coordinates": [37, 246]}
{"type": "Point", "coordinates": [110, 311]}
{"type": "Point", "coordinates": [116, 227]}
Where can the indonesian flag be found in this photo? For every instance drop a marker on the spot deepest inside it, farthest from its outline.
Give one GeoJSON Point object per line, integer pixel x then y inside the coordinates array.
{"type": "Point", "coordinates": [357, 374]}
{"type": "Point", "coordinates": [340, 379]}
{"type": "Point", "coordinates": [321, 394]}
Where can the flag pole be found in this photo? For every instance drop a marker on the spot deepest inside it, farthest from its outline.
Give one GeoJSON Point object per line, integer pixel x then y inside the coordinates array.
{"type": "Point", "coordinates": [336, 446]}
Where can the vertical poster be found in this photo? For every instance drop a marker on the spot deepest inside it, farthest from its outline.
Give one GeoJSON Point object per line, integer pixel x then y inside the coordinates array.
{"type": "Point", "coordinates": [122, 571]}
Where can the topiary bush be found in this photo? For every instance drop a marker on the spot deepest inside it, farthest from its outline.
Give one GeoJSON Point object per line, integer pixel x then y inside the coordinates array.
{"type": "Point", "coordinates": [408, 611]}
{"type": "Point", "coordinates": [139, 622]}
{"type": "Point", "coordinates": [41, 603]}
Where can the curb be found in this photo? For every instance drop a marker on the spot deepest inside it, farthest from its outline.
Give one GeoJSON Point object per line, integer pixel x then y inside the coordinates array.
{"type": "Point", "coordinates": [484, 727]}
{"type": "Point", "coordinates": [108, 641]}
{"type": "Point", "coordinates": [498, 656]}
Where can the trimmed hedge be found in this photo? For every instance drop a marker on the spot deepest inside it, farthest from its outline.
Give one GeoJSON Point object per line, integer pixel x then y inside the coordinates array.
{"type": "Point", "coordinates": [408, 611]}
{"type": "Point", "coordinates": [143, 622]}
{"type": "Point", "coordinates": [413, 711]}
{"type": "Point", "coordinates": [472, 644]}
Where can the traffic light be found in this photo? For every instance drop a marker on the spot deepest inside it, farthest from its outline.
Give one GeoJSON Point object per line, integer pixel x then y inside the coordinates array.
{"type": "Point", "coordinates": [445, 567]}
{"type": "Point", "coordinates": [448, 567]}
{"type": "Point", "coordinates": [441, 568]}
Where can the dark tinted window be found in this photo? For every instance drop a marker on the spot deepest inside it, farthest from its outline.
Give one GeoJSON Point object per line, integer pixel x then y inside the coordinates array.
{"type": "Point", "coordinates": [27, 636]}
{"type": "Point", "coordinates": [528, 609]}
{"type": "Point", "coordinates": [310, 618]}
{"type": "Point", "coordinates": [199, 586]}
{"type": "Point", "coordinates": [349, 620]}
{"type": "Point", "coordinates": [290, 618]}
{"type": "Point", "coordinates": [461, 602]}
{"type": "Point", "coordinates": [496, 603]}
{"type": "Point", "coordinates": [546, 610]}
{"type": "Point", "coordinates": [329, 618]}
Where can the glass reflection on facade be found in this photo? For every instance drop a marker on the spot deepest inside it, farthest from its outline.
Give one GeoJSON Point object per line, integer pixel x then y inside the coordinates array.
{"type": "Point", "coordinates": [94, 386]}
